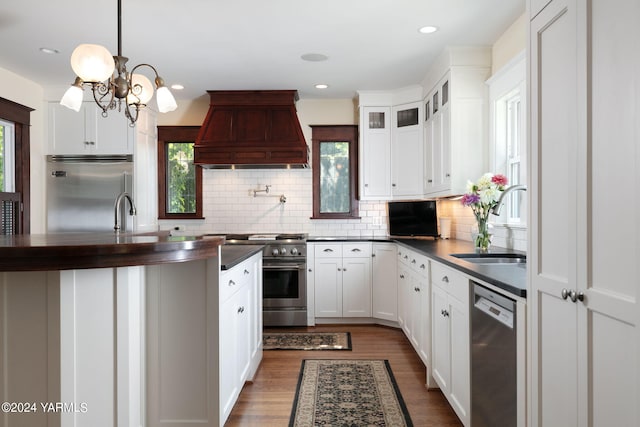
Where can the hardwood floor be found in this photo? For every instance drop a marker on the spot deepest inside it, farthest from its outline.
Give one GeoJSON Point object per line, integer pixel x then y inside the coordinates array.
{"type": "Point", "coordinates": [268, 400]}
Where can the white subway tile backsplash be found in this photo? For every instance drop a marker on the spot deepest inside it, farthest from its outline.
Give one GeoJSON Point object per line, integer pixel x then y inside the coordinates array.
{"type": "Point", "coordinates": [230, 207]}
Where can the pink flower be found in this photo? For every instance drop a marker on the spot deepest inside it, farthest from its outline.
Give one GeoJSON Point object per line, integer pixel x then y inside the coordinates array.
{"type": "Point", "coordinates": [499, 179]}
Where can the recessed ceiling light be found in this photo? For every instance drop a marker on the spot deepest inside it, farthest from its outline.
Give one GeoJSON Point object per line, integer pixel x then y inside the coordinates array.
{"type": "Point", "coordinates": [321, 86]}
{"type": "Point", "coordinates": [314, 57]}
{"type": "Point", "coordinates": [49, 50]}
{"type": "Point", "coordinates": [177, 87]}
{"type": "Point", "coordinates": [428, 29]}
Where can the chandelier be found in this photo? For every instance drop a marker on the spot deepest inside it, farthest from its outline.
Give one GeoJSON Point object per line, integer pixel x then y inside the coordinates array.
{"type": "Point", "coordinates": [112, 85]}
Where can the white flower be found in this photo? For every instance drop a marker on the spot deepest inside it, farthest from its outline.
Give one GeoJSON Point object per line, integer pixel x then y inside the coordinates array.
{"type": "Point", "coordinates": [469, 186]}
{"type": "Point", "coordinates": [489, 195]}
{"type": "Point", "coordinates": [485, 181]}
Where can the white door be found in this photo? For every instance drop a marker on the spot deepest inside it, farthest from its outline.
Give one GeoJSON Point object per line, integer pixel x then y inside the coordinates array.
{"type": "Point", "coordinates": [385, 282]}
{"type": "Point", "coordinates": [356, 287]}
{"type": "Point", "coordinates": [328, 287]}
{"type": "Point", "coordinates": [408, 154]}
{"type": "Point", "coordinates": [376, 152]}
{"type": "Point", "coordinates": [440, 347]}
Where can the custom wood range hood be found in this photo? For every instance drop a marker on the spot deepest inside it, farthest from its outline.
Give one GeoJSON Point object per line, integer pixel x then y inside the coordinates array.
{"type": "Point", "coordinates": [251, 129]}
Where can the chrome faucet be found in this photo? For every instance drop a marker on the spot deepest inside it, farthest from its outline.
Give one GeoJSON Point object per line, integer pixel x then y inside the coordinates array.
{"type": "Point", "coordinates": [496, 209]}
{"type": "Point", "coordinates": [116, 209]}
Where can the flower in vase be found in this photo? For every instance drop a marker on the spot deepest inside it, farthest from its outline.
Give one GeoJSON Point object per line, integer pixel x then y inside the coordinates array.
{"type": "Point", "coordinates": [481, 197]}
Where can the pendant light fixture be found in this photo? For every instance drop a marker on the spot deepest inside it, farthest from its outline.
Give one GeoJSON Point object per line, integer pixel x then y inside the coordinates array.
{"type": "Point", "coordinates": [111, 83]}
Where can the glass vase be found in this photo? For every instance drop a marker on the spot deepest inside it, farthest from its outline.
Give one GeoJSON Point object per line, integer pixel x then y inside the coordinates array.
{"type": "Point", "coordinates": [483, 239]}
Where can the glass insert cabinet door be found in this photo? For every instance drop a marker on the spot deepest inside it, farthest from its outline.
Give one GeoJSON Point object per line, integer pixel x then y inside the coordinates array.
{"type": "Point", "coordinates": [335, 171]}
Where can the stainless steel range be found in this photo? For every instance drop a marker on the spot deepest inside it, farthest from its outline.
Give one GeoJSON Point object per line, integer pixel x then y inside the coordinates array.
{"type": "Point", "coordinates": [284, 265]}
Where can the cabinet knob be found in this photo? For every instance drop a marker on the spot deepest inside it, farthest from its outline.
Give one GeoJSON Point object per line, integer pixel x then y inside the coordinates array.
{"type": "Point", "coordinates": [393, 185]}
{"type": "Point", "coordinates": [445, 279]}
{"type": "Point", "coordinates": [373, 255]}
{"type": "Point", "coordinates": [402, 276]}
{"type": "Point", "coordinates": [246, 271]}
{"type": "Point", "coordinates": [564, 293]}
{"type": "Point", "coordinates": [576, 296]}
{"type": "Point", "coordinates": [444, 313]}
{"type": "Point", "coordinates": [416, 289]}
{"type": "Point", "coordinates": [422, 266]}
{"type": "Point", "coordinates": [339, 269]}
{"type": "Point", "coordinates": [413, 261]}
{"type": "Point", "coordinates": [429, 181]}
{"type": "Point", "coordinates": [310, 271]}
{"type": "Point", "coordinates": [366, 185]}
{"type": "Point", "coordinates": [232, 283]}
{"type": "Point", "coordinates": [240, 310]}
{"type": "Point", "coordinates": [448, 175]}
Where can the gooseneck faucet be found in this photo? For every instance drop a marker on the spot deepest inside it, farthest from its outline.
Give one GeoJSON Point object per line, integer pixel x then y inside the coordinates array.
{"type": "Point", "coordinates": [496, 209]}
{"type": "Point", "coordinates": [116, 209]}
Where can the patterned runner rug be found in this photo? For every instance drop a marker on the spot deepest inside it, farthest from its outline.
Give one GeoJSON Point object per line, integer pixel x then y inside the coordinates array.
{"type": "Point", "coordinates": [348, 393]}
{"type": "Point", "coordinates": [306, 340]}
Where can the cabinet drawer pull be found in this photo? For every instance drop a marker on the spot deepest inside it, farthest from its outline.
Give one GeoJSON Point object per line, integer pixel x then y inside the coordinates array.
{"type": "Point", "coordinates": [445, 279]}
{"type": "Point", "coordinates": [413, 261]}
{"type": "Point", "coordinates": [445, 313]}
{"type": "Point", "coordinates": [430, 181]}
{"type": "Point", "coordinates": [406, 257]}
{"type": "Point", "coordinates": [328, 250]}
{"type": "Point", "coordinates": [246, 271]}
{"type": "Point", "coordinates": [355, 250]}
{"type": "Point", "coordinates": [422, 266]}
{"type": "Point", "coordinates": [232, 283]}
{"type": "Point", "coordinates": [402, 276]}
{"type": "Point", "coordinates": [416, 289]}
{"type": "Point", "coordinates": [240, 310]}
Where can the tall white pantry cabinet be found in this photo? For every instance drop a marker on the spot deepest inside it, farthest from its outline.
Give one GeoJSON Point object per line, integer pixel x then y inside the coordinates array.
{"type": "Point", "coordinates": [584, 243]}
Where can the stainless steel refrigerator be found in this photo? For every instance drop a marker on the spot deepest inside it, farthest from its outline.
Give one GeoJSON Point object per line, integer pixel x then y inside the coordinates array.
{"type": "Point", "coordinates": [82, 191]}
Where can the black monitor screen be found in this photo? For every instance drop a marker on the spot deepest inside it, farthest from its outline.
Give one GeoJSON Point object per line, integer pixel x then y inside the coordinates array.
{"type": "Point", "coordinates": [413, 218]}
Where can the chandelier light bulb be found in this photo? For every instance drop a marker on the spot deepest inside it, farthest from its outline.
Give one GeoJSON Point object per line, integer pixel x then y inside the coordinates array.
{"type": "Point", "coordinates": [73, 97]}
{"type": "Point", "coordinates": [92, 63]}
{"type": "Point", "coordinates": [141, 90]}
{"type": "Point", "coordinates": [166, 101]}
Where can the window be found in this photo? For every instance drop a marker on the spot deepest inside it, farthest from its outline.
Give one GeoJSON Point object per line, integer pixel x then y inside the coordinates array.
{"type": "Point", "coordinates": [7, 156]}
{"type": "Point", "coordinates": [508, 125]}
{"type": "Point", "coordinates": [179, 180]}
{"type": "Point", "coordinates": [14, 168]}
{"type": "Point", "coordinates": [334, 166]}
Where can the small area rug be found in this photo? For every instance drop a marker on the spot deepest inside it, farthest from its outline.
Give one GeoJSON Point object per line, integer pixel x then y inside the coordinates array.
{"type": "Point", "coordinates": [348, 393]}
{"type": "Point", "coordinates": [306, 340]}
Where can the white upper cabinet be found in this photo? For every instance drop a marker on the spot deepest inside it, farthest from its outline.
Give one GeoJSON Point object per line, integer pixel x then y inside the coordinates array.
{"type": "Point", "coordinates": [375, 153]}
{"type": "Point", "coordinates": [455, 120]}
{"type": "Point", "coordinates": [407, 151]}
{"type": "Point", "coordinates": [391, 144]}
{"type": "Point", "coordinates": [88, 133]}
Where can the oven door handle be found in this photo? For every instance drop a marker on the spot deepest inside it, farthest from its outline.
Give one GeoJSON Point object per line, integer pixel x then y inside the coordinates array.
{"type": "Point", "coordinates": [281, 267]}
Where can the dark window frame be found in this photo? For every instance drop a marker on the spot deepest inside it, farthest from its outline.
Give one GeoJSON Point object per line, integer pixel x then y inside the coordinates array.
{"type": "Point", "coordinates": [166, 135]}
{"type": "Point", "coordinates": [20, 115]}
{"type": "Point", "coordinates": [335, 133]}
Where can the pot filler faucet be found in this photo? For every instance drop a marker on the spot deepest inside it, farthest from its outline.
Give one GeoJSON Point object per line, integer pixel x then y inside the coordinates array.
{"type": "Point", "coordinates": [116, 209]}
{"type": "Point", "coordinates": [496, 209]}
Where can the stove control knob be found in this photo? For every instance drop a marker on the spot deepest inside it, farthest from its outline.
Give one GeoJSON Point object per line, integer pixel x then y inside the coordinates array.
{"type": "Point", "coordinates": [283, 251]}
{"type": "Point", "coordinates": [294, 251]}
{"type": "Point", "coordinates": [275, 252]}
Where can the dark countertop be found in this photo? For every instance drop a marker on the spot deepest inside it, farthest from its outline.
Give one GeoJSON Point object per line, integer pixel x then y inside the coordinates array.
{"type": "Point", "coordinates": [42, 252]}
{"type": "Point", "coordinates": [233, 255]}
{"type": "Point", "coordinates": [511, 278]}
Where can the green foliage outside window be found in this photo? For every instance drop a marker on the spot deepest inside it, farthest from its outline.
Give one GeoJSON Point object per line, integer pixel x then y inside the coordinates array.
{"type": "Point", "coordinates": [334, 177]}
{"type": "Point", "coordinates": [181, 178]}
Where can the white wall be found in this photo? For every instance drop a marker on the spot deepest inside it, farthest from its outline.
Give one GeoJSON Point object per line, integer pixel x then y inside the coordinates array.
{"type": "Point", "coordinates": [25, 92]}
{"type": "Point", "coordinates": [511, 43]}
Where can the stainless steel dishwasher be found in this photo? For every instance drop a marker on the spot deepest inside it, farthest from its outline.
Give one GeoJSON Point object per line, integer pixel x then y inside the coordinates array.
{"type": "Point", "coordinates": [493, 359]}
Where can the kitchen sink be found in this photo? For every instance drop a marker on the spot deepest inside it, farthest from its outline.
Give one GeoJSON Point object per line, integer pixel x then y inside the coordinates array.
{"type": "Point", "coordinates": [493, 259]}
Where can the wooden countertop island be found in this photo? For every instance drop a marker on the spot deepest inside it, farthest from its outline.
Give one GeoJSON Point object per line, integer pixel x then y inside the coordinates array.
{"type": "Point", "coordinates": [81, 251]}
{"type": "Point", "coordinates": [126, 329]}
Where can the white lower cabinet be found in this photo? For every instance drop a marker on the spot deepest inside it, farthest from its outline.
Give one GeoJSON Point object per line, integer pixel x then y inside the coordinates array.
{"type": "Point", "coordinates": [342, 279]}
{"type": "Point", "coordinates": [414, 308]}
{"type": "Point", "coordinates": [204, 339]}
{"type": "Point", "coordinates": [451, 337]}
{"type": "Point", "coordinates": [384, 282]}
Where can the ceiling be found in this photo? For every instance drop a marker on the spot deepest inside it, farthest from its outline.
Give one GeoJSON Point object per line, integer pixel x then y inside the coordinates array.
{"type": "Point", "coordinates": [252, 44]}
